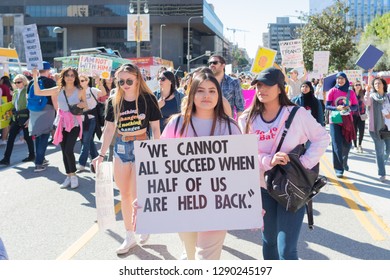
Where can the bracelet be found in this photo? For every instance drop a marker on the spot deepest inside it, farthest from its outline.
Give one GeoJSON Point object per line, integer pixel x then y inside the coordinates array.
{"type": "Point", "coordinates": [101, 156]}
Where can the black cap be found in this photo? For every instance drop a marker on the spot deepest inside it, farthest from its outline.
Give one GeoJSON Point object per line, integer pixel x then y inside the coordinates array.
{"type": "Point", "coordinates": [270, 76]}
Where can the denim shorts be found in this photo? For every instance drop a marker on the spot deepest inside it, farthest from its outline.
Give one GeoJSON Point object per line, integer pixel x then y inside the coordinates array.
{"type": "Point", "coordinates": [124, 150]}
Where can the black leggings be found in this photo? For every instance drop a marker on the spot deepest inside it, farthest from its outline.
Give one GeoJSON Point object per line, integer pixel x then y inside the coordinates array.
{"type": "Point", "coordinates": [67, 146]}
{"type": "Point", "coordinates": [359, 128]}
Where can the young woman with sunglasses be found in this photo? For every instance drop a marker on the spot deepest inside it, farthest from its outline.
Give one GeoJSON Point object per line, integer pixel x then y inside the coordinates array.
{"type": "Point", "coordinates": [68, 126]}
{"type": "Point", "coordinates": [203, 116]}
{"type": "Point", "coordinates": [130, 111]}
{"type": "Point", "coordinates": [169, 99]}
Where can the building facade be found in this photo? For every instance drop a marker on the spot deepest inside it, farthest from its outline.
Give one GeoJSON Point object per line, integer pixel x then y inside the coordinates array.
{"type": "Point", "coordinates": [101, 23]}
{"type": "Point", "coordinates": [282, 30]}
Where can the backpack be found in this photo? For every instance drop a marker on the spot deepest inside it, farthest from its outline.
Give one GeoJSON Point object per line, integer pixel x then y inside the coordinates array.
{"type": "Point", "coordinates": [36, 103]}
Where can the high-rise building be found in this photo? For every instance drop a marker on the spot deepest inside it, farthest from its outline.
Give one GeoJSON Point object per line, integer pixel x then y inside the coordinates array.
{"type": "Point", "coordinates": [361, 11]}
{"type": "Point", "coordinates": [282, 30]}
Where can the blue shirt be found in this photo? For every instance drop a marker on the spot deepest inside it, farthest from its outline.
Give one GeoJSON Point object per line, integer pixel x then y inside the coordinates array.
{"type": "Point", "coordinates": [231, 90]}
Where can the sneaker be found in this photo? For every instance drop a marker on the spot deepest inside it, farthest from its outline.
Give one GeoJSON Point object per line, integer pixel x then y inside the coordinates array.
{"type": "Point", "coordinates": [356, 149]}
{"type": "Point", "coordinates": [19, 142]}
{"type": "Point", "coordinates": [339, 174]}
{"type": "Point", "coordinates": [3, 142]}
{"type": "Point", "coordinates": [74, 182]}
{"type": "Point", "coordinates": [80, 167]}
{"type": "Point", "coordinates": [66, 183]}
{"type": "Point", "coordinates": [39, 168]}
{"type": "Point", "coordinates": [360, 149]}
{"type": "Point", "coordinates": [4, 162]}
{"type": "Point", "coordinates": [127, 244]}
{"type": "Point", "coordinates": [143, 238]}
{"type": "Point", "coordinates": [29, 158]}
{"type": "Point", "coordinates": [183, 256]}
{"type": "Point", "coordinates": [382, 178]}
{"type": "Point", "coordinates": [45, 162]}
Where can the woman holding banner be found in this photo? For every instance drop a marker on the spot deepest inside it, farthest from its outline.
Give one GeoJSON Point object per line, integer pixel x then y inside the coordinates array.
{"type": "Point", "coordinates": [203, 115]}
{"type": "Point", "coordinates": [130, 111]}
{"type": "Point", "coordinates": [266, 117]}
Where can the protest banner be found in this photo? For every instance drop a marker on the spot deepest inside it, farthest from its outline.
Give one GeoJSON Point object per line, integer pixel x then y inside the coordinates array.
{"type": "Point", "coordinates": [292, 53]}
{"type": "Point", "coordinates": [320, 64]}
{"type": "Point", "coordinates": [32, 47]}
{"type": "Point", "coordinates": [5, 112]}
{"type": "Point", "coordinates": [104, 192]}
{"type": "Point", "coordinates": [264, 58]}
{"type": "Point", "coordinates": [135, 23]}
{"type": "Point", "coordinates": [198, 184]}
{"type": "Point", "coordinates": [369, 57]}
{"type": "Point", "coordinates": [354, 75]}
{"type": "Point", "coordinates": [95, 66]}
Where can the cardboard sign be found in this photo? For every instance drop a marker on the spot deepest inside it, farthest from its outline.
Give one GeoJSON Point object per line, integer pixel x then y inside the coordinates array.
{"type": "Point", "coordinates": [369, 57]}
{"type": "Point", "coordinates": [32, 47]}
{"type": "Point", "coordinates": [104, 191]}
{"type": "Point", "coordinates": [5, 112]}
{"type": "Point", "coordinates": [329, 82]}
{"type": "Point", "coordinates": [320, 64]}
{"type": "Point", "coordinates": [292, 53]}
{"type": "Point", "coordinates": [354, 75]}
{"type": "Point", "coordinates": [95, 66]}
{"type": "Point", "coordinates": [264, 59]}
{"type": "Point", "coordinates": [198, 184]}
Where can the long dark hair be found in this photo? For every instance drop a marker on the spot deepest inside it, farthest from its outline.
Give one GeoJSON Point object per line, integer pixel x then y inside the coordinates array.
{"type": "Point", "coordinates": [61, 78]}
{"type": "Point", "coordinates": [383, 82]}
{"type": "Point", "coordinates": [219, 113]}
{"type": "Point", "coordinates": [257, 108]}
{"type": "Point", "coordinates": [171, 77]}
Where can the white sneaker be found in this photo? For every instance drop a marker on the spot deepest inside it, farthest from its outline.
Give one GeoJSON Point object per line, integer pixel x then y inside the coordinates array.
{"type": "Point", "coordinates": [143, 238]}
{"type": "Point", "coordinates": [360, 149]}
{"type": "Point", "coordinates": [356, 149]}
{"type": "Point", "coordinates": [382, 178]}
{"type": "Point", "coordinates": [74, 182]}
{"type": "Point", "coordinates": [80, 167]}
{"type": "Point", "coordinates": [127, 244]}
{"type": "Point", "coordinates": [19, 142]}
{"type": "Point", "coordinates": [3, 142]}
{"type": "Point", "coordinates": [66, 183]}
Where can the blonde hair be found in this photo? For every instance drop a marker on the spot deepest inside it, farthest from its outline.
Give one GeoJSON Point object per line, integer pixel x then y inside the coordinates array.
{"type": "Point", "coordinates": [141, 87]}
{"type": "Point", "coordinates": [21, 77]}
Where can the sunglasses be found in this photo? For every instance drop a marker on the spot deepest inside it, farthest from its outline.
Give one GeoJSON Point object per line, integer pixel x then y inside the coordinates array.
{"type": "Point", "coordinates": [128, 82]}
{"type": "Point", "coordinates": [18, 82]}
{"type": "Point", "coordinates": [82, 81]}
{"type": "Point", "coordinates": [69, 75]}
{"type": "Point", "coordinates": [213, 62]}
{"type": "Point", "coordinates": [358, 85]}
{"type": "Point", "coordinates": [162, 79]}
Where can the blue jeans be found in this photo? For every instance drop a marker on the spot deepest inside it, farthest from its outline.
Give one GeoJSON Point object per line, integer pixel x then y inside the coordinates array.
{"type": "Point", "coordinates": [382, 154]}
{"type": "Point", "coordinates": [87, 144]}
{"type": "Point", "coordinates": [124, 150]}
{"type": "Point", "coordinates": [340, 148]}
{"type": "Point", "coordinates": [281, 230]}
{"type": "Point", "coordinates": [41, 143]}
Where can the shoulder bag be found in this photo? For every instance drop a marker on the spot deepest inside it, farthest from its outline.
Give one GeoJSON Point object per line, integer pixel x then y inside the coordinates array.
{"type": "Point", "coordinates": [100, 110]}
{"type": "Point", "coordinates": [292, 185]}
{"type": "Point", "coordinates": [74, 109]}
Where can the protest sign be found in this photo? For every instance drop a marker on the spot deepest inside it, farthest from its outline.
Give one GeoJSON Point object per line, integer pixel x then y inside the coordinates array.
{"type": "Point", "coordinates": [320, 64]}
{"type": "Point", "coordinates": [198, 184]}
{"type": "Point", "coordinates": [354, 75]}
{"type": "Point", "coordinates": [264, 58]}
{"type": "Point", "coordinates": [5, 113]}
{"type": "Point", "coordinates": [329, 82]}
{"type": "Point", "coordinates": [104, 189]}
{"type": "Point", "coordinates": [95, 66]}
{"type": "Point", "coordinates": [292, 53]}
{"type": "Point", "coordinates": [32, 47]}
{"type": "Point", "coordinates": [369, 57]}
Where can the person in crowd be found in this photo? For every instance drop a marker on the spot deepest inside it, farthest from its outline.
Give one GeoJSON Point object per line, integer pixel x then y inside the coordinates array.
{"type": "Point", "coordinates": [293, 82]}
{"type": "Point", "coordinates": [41, 122]}
{"type": "Point", "coordinates": [320, 94]}
{"type": "Point", "coordinates": [130, 111]}
{"type": "Point", "coordinates": [68, 126]}
{"type": "Point", "coordinates": [359, 123]}
{"type": "Point", "coordinates": [19, 121]}
{"type": "Point", "coordinates": [90, 122]}
{"type": "Point", "coordinates": [108, 84]}
{"type": "Point", "coordinates": [378, 102]}
{"type": "Point", "coordinates": [203, 116]}
{"type": "Point", "coordinates": [169, 99]}
{"type": "Point", "coordinates": [308, 101]}
{"type": "Point", "coordinates": [231, 87]}
{"type": "Point", "coordinates": [5, 91]}
{"type": "Point", "coordinates": [266, 118]}
{"type": "Point", "coordinates": [342, 99]}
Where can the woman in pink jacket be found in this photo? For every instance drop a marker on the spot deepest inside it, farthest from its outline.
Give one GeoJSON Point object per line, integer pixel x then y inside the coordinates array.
{"type": "Point", "coordinates": [266, 117]}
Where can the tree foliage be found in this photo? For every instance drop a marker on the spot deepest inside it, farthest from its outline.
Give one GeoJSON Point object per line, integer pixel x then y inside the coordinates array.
{"type": "Point", "coordinates": [331, 31]}
{"type": "Point", "coordinates": [377, 33]}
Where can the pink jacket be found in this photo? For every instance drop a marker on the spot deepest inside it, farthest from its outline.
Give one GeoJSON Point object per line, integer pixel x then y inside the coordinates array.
{"type": "Point", "coordinates": [66, 120]}
{"type": "Point", "coordinates": [303, 128]}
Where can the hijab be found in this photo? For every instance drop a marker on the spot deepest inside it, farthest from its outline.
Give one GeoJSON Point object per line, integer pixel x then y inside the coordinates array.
{"type": "Point", "coordinates": [309, 100]}
{"type": "Point", "coordinates": [344, 87]}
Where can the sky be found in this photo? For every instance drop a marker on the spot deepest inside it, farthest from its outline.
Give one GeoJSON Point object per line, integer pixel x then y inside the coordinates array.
{"type": "Point", "coordinates": [254, 16]}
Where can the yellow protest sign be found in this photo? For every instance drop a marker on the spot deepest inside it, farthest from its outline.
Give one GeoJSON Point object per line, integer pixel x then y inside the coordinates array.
{"type": "Point", "coordinates": [264, 58]}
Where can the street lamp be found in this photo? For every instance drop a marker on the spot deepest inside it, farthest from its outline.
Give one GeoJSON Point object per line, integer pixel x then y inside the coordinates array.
{"type": "Point", "coordinates": [131, 10]}
{"type": "Point", "coordinates": [188, 42]}
{"type": "Point", "coordinates": [161, 26]}
{"type": "Point", "coordinates": [65, 38]}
